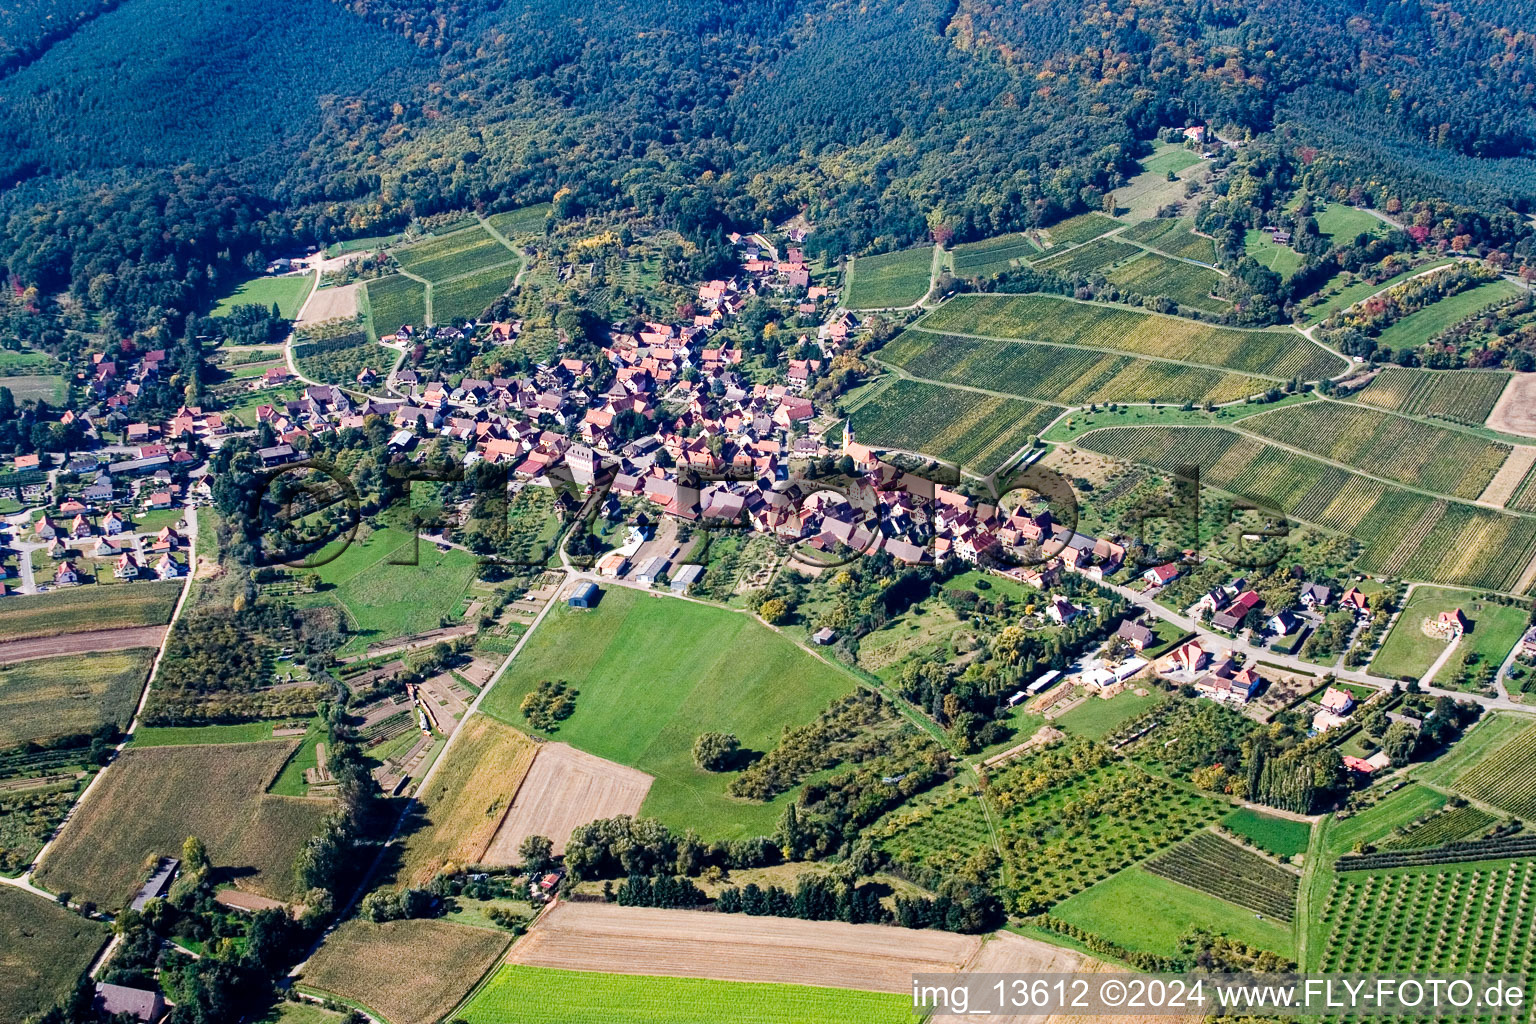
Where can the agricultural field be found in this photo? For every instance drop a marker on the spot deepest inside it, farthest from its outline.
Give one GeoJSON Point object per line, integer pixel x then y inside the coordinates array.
{"type": "Point", "coordinates": [1089, 258]}
{"type": "Point", "coordinates": [1403, 533]}
{"type": "Point", "coordinates": [889, 280]}
{"type": "Point", "coordinates": [1452, 825]}
{"type": "Point", "coordinates": [1075, 230]}
{"type": "Point", "coordinates": [993, 256]}
{"type": "Point", "coordinates": [287, 291]}
{"type": "Point", "coordinates": [1095, 718]}
{"type": "Point", "coordinates": [1184, 283]}
{"type": "Point", "coordinates": [1271, 255]}
{"type": "Point", "coordinates": [653, 674]}
{"type": "Point", "coordinates": [1422, 325]}
{"type": "Point", "coordinates": [458, 814]}
{"type": "Point", "coordinates": [1050, 318]}
{"type": "Point", "coordinates": [1143, 912]}
{"type": "Point", "coordinates": [1419, 454]}
{"type": "Point", "coordinates": [155, 797]}
{"type": "Point", "coordinates": [383, 600]}
{"type": "Point", "coordinates": [527, 220]}
{"type": "Point", "coordinates": [465, 298]}
{"type": "Point", "coordinates": [451, 255]}
{"type": "Point", "coordinates": [1147, 192]}
{"type": "Point", "coordinates": [337, 351]}
{"type": "Point", "coordinates": [1060, 373]}
{"type": "Point", "coordinates": [1336, 294]}
{"type": "Point", "coordinates": [394, 302]}
{"type": "Point", "coordinates": [980, 432]}
{"type": "Point", "coordinates": [1174, 237]}
{"type": "Point", "coordinates": [52, 697]}
{"type": "Point", "coordinates": [1506, 775]}
{"type": "Point", "coordinates": [1461, 396]}
{"type": "Point", "coordinates": [88, 608]}
{"type": "Point", "coordinates": [564, 789]}
{"type": "Point", "coordinates": [1217, 867]}
{"type": "Point", "coordinates": [585, 997]}
{"type": "Point", "coordinates": [1282, 837]}
{"type": "Point", "coordinates": [1447, 919]}
{"type": "Point", "coordinates": [1408, 651]}
{"type": "Point", "coordinates": [43, 950]}
{"type": "Point", "coordinates": [371, 244]}
{"type": "Point", "coordinates": [1343, 223]}
{"type": "Point", "coordinates": [404, 972]}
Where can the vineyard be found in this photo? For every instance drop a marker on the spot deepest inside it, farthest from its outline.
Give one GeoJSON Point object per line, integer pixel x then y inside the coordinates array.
{"type": "Point", "coordinates": [528, 220]}
{"type": "Point", "coordinates": [1173, 237]}
{"type": "Point", "coordinates": [451, 255]}
{"type": "Point", "coordinates": [891, 279]}
{"type": "Point", "coordinates": [965, 427]}
{"type": "Point", "coordinates": [1442, 920]}
{"type": "Point", "coordinates": [1058, 373]}
{"type": "Point", "coordinates": [1184, 283]}
{"type": "Point", "coordinates": [1451, 825]}
{"type": "Point", "coordinates": [1506, 776]}
{"type": "Point", "coordinates": [336, 351]}
{"type": "Point", "coordinates": [394, 302]}
{"type": "Point", "coordinates": [1403, 533]}
{"type": "Point", "coordinates": [465, 298]}
{"type": "Point", "coordinates": [1082, 228]}
{"type": "Point", "coordinates": [1433, 458]}
{"type": "Point", "coordinates": [1461, 396]}
{"type": "Point", "coordinates": [1050, 318]}
{"type": "Point", "coordinates": [993, 256]}
{"type": "Point", "coordinates": [1089, 258]}
{"type": "Point", "coordinates": [1501, 848]}
{"type": "Point", "coordinates": [1219, 868]}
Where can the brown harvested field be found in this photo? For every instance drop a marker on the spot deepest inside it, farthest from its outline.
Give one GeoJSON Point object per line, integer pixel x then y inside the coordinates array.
{"type": "Point", "coordinates": [466, 799]}
{"type": "Point", "coordinates": [478, 670]}
{"type": "Point", "coordinates": [1515, 411]}
{"type": "Point", "coordinates": [407, 972]}
{"type": "Point", "coordinates": [152, 798]}
{"type": "Point", "coordinates": [331, 304]}
{"type": "Point", "coordinates": [1515, 467]}
{"type": "Point", "coordinates": [734, 947]}
{"type": "Point", "coordinates": [92, 641]}
{"type": "Point", "coordinates": [1007, 953]}
{"type": "Point", "coordinates": [239, 899]}
{"type": "Point", "coordinates": [566, 788]}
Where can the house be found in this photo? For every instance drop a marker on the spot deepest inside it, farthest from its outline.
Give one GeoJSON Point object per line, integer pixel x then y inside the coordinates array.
{"type": "Point", "coordinates": [111, 524]}
{"type": "Point", "coordinates": [1453, 623]}
{"type": "Point", "coordinates": [686, 577]}
{"type": "Point", "coordinates": [1226, 682]}
{"type": "Point", "coordinates": [277, 455]}
{"type": "Point", "coordinates": [45, 528]}
{"type": "Point", "coordinates": [612, 564]}
{"type": "Point", "coordinates": [1356, 764]}
{"type": "Point", "coordinates": [80, 527]}
{"type": "Point", "coordinates": [1528, 643]}
{"type": "Point", "coordinates": [127, 567]}
{"type": "Point", "coordinates": [585, 596]}
{"type": "Point", "coordinates": [1138, 636]}
{"type": "Point", "coordinates": [1338, 701]}
{"type": "Point", "coordinates": [1187, 657]}
{"type": "Point", "coordinates": [1313, 595]}
{"type": "Point", "coordinates": [1061, 611]}
{"type": "Point", "coordinates": [141, 1004]}
{"type": "Point", "coordinates": [65, 575]}
{"type": "Point", "coordinates": [1355, 601]}
{"type": "Point", "coordinates": [167, 568]}
{"type": "Point", "coordinates": [1162, 575]}
{"type": "Point", "coordinates": [824, 636]}
{"type": "Point", "coordinates": [1231, 617]}
{"type": "Point", "coordinates": [1283, 623]}
{"type": "Point", "coordinates": [160, 500]}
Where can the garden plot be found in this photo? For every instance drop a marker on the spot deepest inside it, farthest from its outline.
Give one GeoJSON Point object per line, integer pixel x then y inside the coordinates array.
{"type": "Point", "coordinates": [564, 789]}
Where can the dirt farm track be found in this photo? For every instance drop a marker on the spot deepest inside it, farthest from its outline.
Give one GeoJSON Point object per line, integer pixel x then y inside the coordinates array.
{"type": "Point", "coordinates": [12, 651]}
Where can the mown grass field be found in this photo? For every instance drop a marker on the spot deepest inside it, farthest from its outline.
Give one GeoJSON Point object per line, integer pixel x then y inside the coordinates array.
{"type": "Point", "coordinates": [652, 674]}
{"type": "Point", "coordinates": [1169, 157]}
{"type": "Point", "coordinates": [1343, 223]}
{"type": "Point", "coordinates": [1409, 451]}
{"type": "Point", "coordinates": [543, 995]}
{"type": "Point", "coordinates": [288, 291]}
{"type": "Point", "coordinates": [526, 220]}
{"type": "Point", "coordinates": [1403, 533]}
{"type": "Point", "coordinates": [1461, 396]}
{"type": "Point", "coordinates": [1184, 283]}
{"type": "Point", "coordinates": [1050, 318]}
{"type": "Point", "coordinates": [1076, 230]}
{"type": "Point", "coordinates": [451, 255]}
{"type": "Point", "coordinates": [1268, 253]}
{"type": "Point", "coordinates": [85, 608]}
{"type": "Point", "coordinates": [1095, 718]}
{"type": "Point", "coordinates": [383, 600]}
{"type": "Point", "coordinates": [1409, 651]}
{"type": "Point", "coordinates": [76, 693]}
{"type": "Point", "coordinates": [465, 298]}
{"type": "Point", "coordinates": [977, 431]}
{"type": "Point", "coordinates": [43, 950]}
{"type": "Point", "coordinates": [394, 302]}
{"type": "Point", "coordinates": [406, 972]}
{"type": "Point", "coordinates": [1061, 373]}
{"type": "Point", "coordinates": [155, 797]}
{"type": "Point", "coordinates": [1280, 836]}
{"type": "Point", "coordinates": [992, 256]}
{"type": "Point", "coordinates": [1505, 775]}
{"type": "Point", "coordinates": [1421, 325]}
{"type": "Point", "coordinates": [458, 814]}
{"type": "Point", "coordinates": [1336, 295]}
{"type": "Point", "coordinates": [196, 735]}
{"type": "Point", "coordinates": [889, 279]}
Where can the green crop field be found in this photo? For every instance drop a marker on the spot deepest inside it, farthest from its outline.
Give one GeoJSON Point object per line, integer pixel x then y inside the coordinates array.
{"type": "Point", "coordinates": [1184, 283]}
{"type": "Point", "coordinates": [543, 995]}
{"type": "Point", "coordinates": [1088, 259]}
{"type": "Point", "coordinates": [993, 256]}
{"type": "Point", "coordinates": [1174, 237]}
{"type": "Point", "coordinates": [369, 244]}
{"type": "Point", "coordinates": [889, 279]}
{"type": "Point", "coordinates": [1412, 452]}
{"type": "Point", "coordinates": [197, 735]}
{"type": "Point", "coordinates": [288, 290]}
{"type": "Point", "coordinates": [1082, 228]}
{"type": "Point", "coordinates": [394, 302]}
{"type": "Point", "coordinates": [1140, 911]}
{"type": "Point", "coordinates": [653, 674]}
{"type": "Point", "coordinates": [155, 797]}
{"type": "Point", "coordinates": [1282, 837]}
{"type": "Point", "coordinates": [383, 600]}
{"type": "Point", "coordinates": [1050, 318]}
{"type": "Point", "coordinates": [1403, 533]}
{"type": "Point", "coordinates": [1506, 775]}
{"type": "Point", "coordinates": [1219, 867]}
{"type": "Point", "coordinates": [1420, 326]}
{"type": "Point", "coordinates": [451, 255]}
{"type": "Point", "coordinates": [527, 220]}
{"type": "Point", "coordinates": [86, 608]}
{"type": "Point", "coordinates": [43, 951]}
{"type": "Point", "coordinates": [1060, 373]}
{"type": "Point", "coordinates": [75, 693]}
{"type": "Point", "coordinates": [465, 298]}
{"type": "Point", "coordinates": [1488, 734]}
{"type": "Point", "coordinates": [1381, 819]}
{"type": "Point", "coordinates": [1268, 253]}
{"type": "Point", "coordinates": [977, 431]}
{"type": "Point", "coordinates": [1336, 295]}
{"type": "Point", "coordinates": [1461, 396]}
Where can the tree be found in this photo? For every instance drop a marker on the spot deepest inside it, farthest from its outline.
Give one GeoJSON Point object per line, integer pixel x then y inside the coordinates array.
{"type": "Point", "coordinates": [774, 611]}
{"type": "Point", "coordinates": [194, 855]}
{"type": "Point", "coordinates": [715, 751]}
{"type": "Point", "coordinates": [1400, 742]}
{"type": "Point", "coordinates": [537, 853]}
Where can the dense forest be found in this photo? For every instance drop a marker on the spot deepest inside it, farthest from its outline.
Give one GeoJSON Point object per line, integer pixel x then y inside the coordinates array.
{"type": "Point", "coordinates": [161, 148]}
